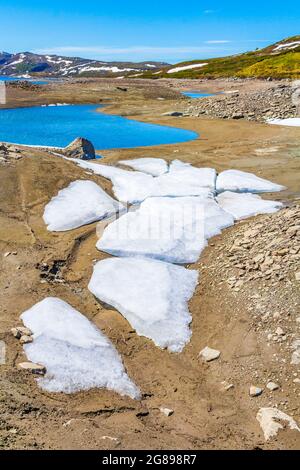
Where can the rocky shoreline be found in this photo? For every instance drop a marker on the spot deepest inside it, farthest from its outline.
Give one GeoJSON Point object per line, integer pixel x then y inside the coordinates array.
{"type": "Point", "coordinates": [258, 105]}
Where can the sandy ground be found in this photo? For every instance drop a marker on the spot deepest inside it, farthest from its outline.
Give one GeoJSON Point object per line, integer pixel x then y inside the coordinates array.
{"type": "Point", "coordinates": [205, 415]}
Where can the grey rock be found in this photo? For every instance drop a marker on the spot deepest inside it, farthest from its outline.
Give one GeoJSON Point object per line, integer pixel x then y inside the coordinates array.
{"type": "Point", "coordinates": [32, 367]}
{"type": "Point", "coordinates": [255, 391]}
{"type": "Point", "coordinates": [80, 148]}
{"type": "Point", "coordinates": [209, 354]}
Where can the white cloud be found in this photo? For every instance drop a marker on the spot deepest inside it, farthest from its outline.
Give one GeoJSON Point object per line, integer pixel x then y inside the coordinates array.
{"type": "Point", "coordinates": [218, 41]}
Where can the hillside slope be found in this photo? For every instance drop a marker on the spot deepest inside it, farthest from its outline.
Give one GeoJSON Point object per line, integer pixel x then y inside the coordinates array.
{"type": "Point", "coordinates": [58, 66]}
{"type": "Point", "coordinates": [280, 60]}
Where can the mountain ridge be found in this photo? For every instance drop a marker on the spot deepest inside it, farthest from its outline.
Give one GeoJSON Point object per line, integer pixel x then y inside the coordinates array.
{"type": "Point", "coordinates": [29, 63]}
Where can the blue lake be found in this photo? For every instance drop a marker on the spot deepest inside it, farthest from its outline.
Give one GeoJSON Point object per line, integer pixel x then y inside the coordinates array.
{"type": "Point", "coordinates": [58, 125]}
{"type": "Point", "coordinates": [7, 78]}
{"type": "Point", "coordinates": [197, 94]}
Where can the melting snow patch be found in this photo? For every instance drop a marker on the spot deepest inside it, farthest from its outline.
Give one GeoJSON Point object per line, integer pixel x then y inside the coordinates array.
{"type": "Point", "coordinates": [186, 67]}
{"type": "Point", "coordinates": [135, 186]}
{"type": "Point", "coordinates": [150, 294]}
{"type": "Point", "coordinates": [242, 206]}
{"type": "Point", "coordinates": [77, 356]}
{"type": "Point", "coordinates": [267, 418]}
{"type": "Point", "coordinates": [243, 182]}
{"type": "Point", "coordinates": [294, 122]}
{"type": "Point", "coordinates": [81, 203]}
{"type": "Point", "coordinates": [170, 229]}
{"type": "Point", "coordinates": [198, 177]}
{"type": "Point", "coordinates": [152, 166]}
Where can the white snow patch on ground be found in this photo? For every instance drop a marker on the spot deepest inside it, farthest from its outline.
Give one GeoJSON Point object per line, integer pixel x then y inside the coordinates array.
{"type": "Point", "coordinates": [268, 420]}
{"type": "Point", "coordinates": [287, 45]}
{"type": "Point", "coordinates": [81, 203]}
{"type": "Point", "coordinates": [246, 205]}
{"type": "Point", "coordinates": [135, 186]}
{"type": "Point", "coordinates": [243, 182]}
{"type": "Point", "coordinates": [170, 229]}
{"type": "Point", "coordinates": [190, 175]}
{"type": "Point", "coordinates": [294, 122]}
{"type": "Point", "coordinates": [152, 166]}
{"type": "Point", "coordinates": [77, 356]}
{"type": "Point", "coordinates": [150, 294]}
{"type": "Point", "coordinates": [186, 67]}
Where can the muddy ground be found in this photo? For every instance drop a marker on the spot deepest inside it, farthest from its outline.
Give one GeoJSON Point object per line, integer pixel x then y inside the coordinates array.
{"type": "Point", "coordinates": [206, 416]}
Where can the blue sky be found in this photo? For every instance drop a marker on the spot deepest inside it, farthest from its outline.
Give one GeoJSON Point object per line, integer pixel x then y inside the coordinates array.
{"type": "Point", "coordinates": [169, 30]}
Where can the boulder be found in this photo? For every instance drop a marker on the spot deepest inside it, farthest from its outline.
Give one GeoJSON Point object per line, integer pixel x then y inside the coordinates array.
{"type": "Point", "coordinates": [80, 148]}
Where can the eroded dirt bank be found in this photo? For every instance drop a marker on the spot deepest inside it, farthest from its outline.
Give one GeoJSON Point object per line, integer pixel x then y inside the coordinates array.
{"type": "Point", "coordinates": [206, 415]}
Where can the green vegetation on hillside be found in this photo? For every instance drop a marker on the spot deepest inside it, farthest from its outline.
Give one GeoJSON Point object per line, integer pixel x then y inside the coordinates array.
{"type": "Point", "coordinates": [272, 61]}
{"type": "Point", "coordinates": [283, 66]}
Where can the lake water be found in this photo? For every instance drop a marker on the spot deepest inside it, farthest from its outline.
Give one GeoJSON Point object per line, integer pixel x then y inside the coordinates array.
{"type": "Point", "coordinates": [58, 125]}
{"type": "Point", "coordinates": [197, 94]}
{"type": "Point", "coordinates": [6, 78]}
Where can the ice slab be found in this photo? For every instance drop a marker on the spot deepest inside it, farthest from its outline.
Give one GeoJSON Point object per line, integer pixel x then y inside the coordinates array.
{"type": "Point", "coordinates": [243, 205]}
{"type": "Point", "coordinates": [243, 182]}
{"type": "Point", "coordinates": [170, 229]}
{"type": "Point", "coordinates": [150, 294]}
{"type": "Point", "coordinates": [77, 355]}
{"type": "Point", "coordinates": [294, 122]}
{"type": "Point", "coordinates": [152, 166]}
{"type": "Point", "coordinates": [134, 186]}
{"type": "Point", "coordinates": [203, 177]}
{"type": "Point", "coordinates": [81, 203]}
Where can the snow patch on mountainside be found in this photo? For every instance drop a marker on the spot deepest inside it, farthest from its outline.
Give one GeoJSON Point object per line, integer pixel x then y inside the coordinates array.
{"type": "Point", "coordinates": [186, 67]}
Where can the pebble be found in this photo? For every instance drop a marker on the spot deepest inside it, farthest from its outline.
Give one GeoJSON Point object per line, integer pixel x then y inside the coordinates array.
{"type": "Point", "coordinates": [209, 354]}
{"type": "Point", "coordinates": [6, 254]}
{"type": "Point", "coordinates": [166, 411]}
{"type": "Point", "coordinates": [227, 386]}
{"type": "Point", "coordinates": [26, 339]}
{"type": "Point", "coordinates": [2, 352]}
{"type": "Point", "coordinates": [20, 331]}
{"type": "Point", "coordinates": [32, 367]}
{"type": "Point", "coordinates": [255, 391]}
{"type": "Point", "coordinates": [272, 386]}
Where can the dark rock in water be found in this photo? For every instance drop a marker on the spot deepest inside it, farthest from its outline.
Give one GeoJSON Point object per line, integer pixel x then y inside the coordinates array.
{"type": "Point", "coordinates": [80, 148]}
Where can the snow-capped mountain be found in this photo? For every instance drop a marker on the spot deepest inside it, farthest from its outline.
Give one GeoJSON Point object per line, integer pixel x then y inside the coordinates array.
{"type": "Point", "coordinates": [25, 63]}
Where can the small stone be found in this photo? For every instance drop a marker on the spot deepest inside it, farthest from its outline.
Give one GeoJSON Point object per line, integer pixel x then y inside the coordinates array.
{"type": "Point", "coordinates": [32, 367]}
{"type": "Point", "coordinates": [19, 331]}
{"type": "Point", "coordinates": [13, 431]}
{"type": "Point", "coordinates": [166, 411]}
{"type": "Point", "coordinates": [296, 381]}
{"type": "Point", "coordinates": [2, 353]}
{"type": "Point", "coordinates": [227, 386]}
{"type": "Point", "coordinates": [16, 333]}
{"type": "Point", "coordinates": [279, 331]}
{"type": "Point", "coordinates": [6, 254]}
{"type": "Point", "coordinates": [255, 391]}
{"type": "Point", "coordinates": [272, 386]}
{"type": "Point", "coordinates": [297, 276]}
{"type": "Point", "coordinates": [110, 438]}
{"type": "Point", "coordinates": [26, 339]}
{"type": "Point", "coordinates": [209, 354]}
